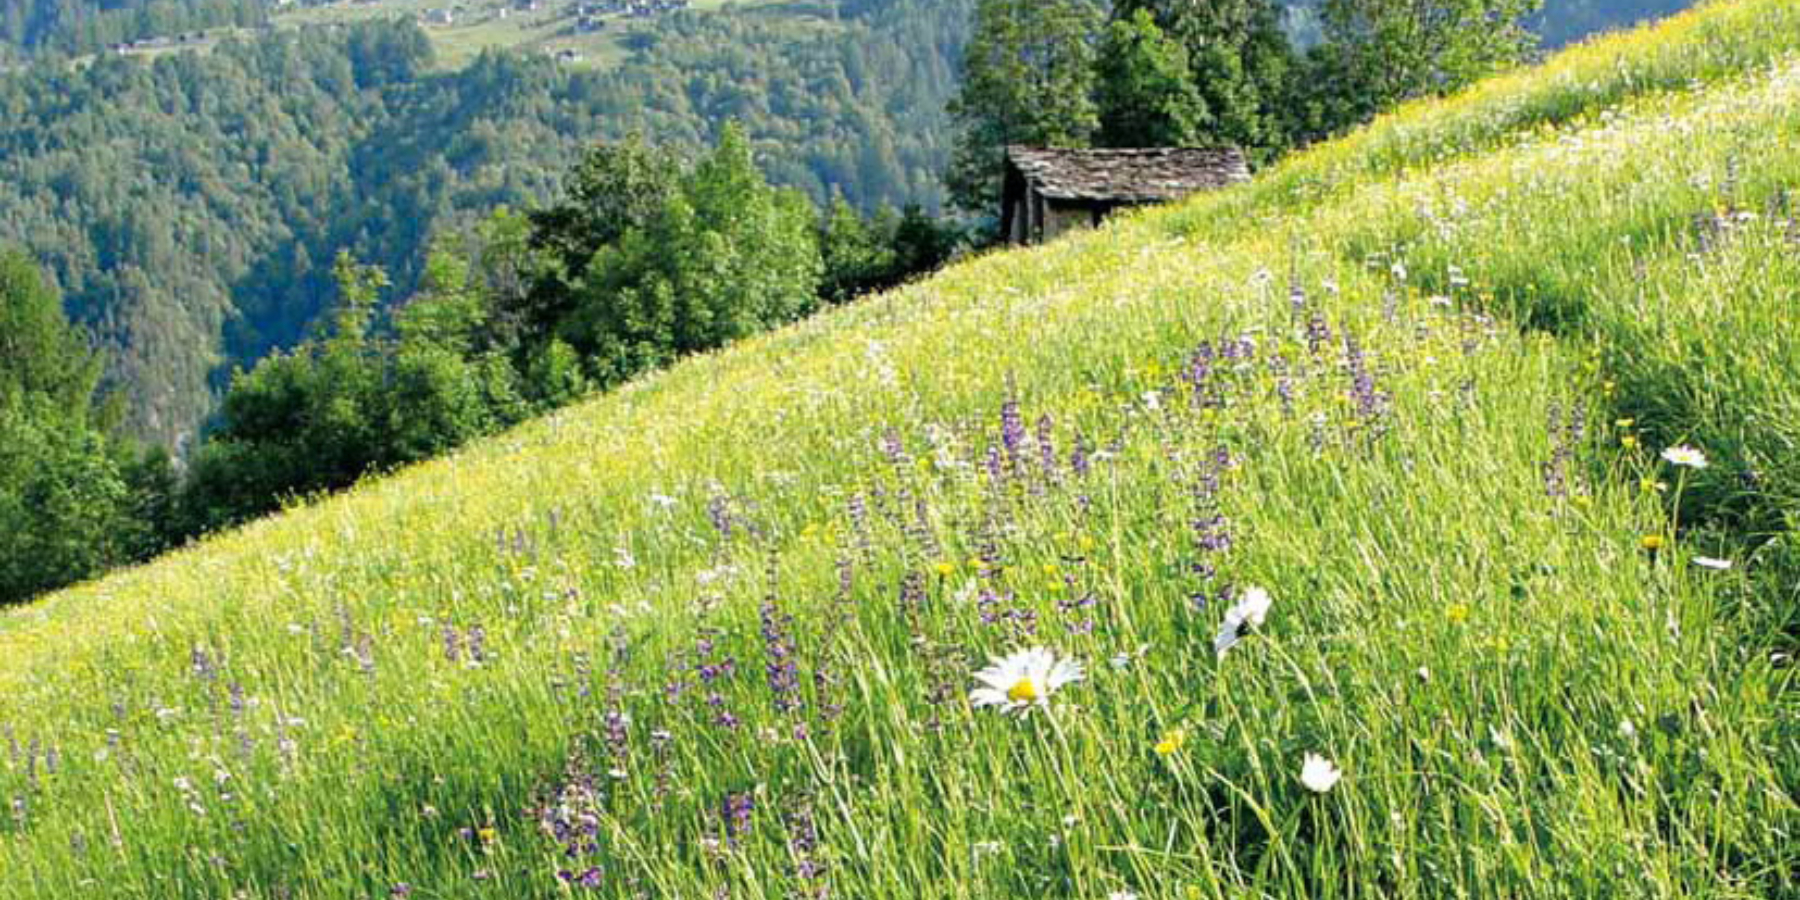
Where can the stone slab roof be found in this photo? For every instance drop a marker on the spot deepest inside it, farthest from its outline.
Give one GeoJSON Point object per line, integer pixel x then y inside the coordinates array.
{"type": "Point", "coordinates": [1128, 176]}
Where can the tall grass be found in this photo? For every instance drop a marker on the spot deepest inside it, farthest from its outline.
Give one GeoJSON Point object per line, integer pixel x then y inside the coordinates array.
{"type": "Point", "coordinates": [713, 635]}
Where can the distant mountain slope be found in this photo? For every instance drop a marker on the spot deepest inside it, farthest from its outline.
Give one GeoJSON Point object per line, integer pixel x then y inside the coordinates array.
{"type": "Point", "coordinates": [1558, 22]}
{"type": "Point", "coordinates": [190, 206]}
{"type": "Point", "coordinates": [715, 634]}
{"type": "Point", "coordinates": [84, 26]}
{"type": "Point", "coordinates": [1564, 21]}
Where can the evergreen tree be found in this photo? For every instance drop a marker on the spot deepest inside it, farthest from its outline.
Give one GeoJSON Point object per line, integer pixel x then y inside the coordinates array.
{"type": "Point", "coordinates": [1028, 78]}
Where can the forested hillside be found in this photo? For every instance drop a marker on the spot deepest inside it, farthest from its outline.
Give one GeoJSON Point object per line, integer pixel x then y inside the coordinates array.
{"type": "Point", "coordinates": [189, 208]}
{"type": "Point", "coordinates": [80, 26]}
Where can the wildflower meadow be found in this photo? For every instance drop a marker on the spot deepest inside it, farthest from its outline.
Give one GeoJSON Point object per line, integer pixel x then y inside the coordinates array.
{"type": "Point", "coordinates": [1417, 520]}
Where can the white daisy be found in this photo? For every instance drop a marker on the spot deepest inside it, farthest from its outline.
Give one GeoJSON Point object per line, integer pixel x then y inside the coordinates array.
{"type": "Point", "coordinates": [1319, 774]}
{"type": "Point", "coordinates": [1707, 562]}
{"type": "Point", "coordinates": [1683, 455]}
{"type": "Point", "coordinates": [1250, 611]}
{"type": "Point", "coordinates": [1023, 680]}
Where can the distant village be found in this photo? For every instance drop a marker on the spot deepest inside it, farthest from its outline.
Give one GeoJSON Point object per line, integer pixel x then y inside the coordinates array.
{"type": "Point", "coordinates": [588, 14]}
{"type": "Point", "coordinates": [588, 17]}
{"type": "Point", "coordinates": [163, 42]}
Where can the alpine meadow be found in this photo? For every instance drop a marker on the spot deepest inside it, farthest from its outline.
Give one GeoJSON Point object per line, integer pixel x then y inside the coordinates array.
{"type": "Point", "coordinates": [1419, 518]}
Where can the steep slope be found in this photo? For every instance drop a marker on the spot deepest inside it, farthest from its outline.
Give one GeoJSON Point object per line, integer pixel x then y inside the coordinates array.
{"type": "Point", "coordinates": [712, 635]}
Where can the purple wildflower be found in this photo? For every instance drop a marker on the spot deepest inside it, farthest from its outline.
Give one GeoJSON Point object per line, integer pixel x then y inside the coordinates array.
{"type": "Point", "coordinates": [1077, 612]}
{"type": "Point", "coordinates": [1198, 375]}
{"type": "Point", "coordinates": [587, 878]}
{"type": "Point", "coordinates": [571, 818]}
{"type": "Point", "coordinates": [1318, 332]}
{"type": "Point", "coordinates": [1047, 448]}
{"type": "Point", "coordinates": [718, 509]}
{"type": "Point", "coordinates": [859, 523]}
{"type": "Point", "coordinates": [778, 648]}
{"type": "Point", "coordinates": [477, 641]}
{"type": "Point", "coordinates": [803, 841]}
{"type": "Point", "coordinates": [202, 664]}
{"type": "Point", "coordinates": [660, 740]}
{"type": "Point", "coordinates": [736, 813]}
{"type": "Point", "coordinates": [918, 528]}
{"type": "Point", "coordinates": [1284, 382]}
{"type": "Point", "coordinates": [844, 599]}
{"type": "Point", "coordinates": [996, 472]}
{"type": "Point", "coordinates": [1079, 461]}
{"type": "Point", "coordinates": [712, 668]}
{"type": "Point", "coordinates": [894, 449]}
{"type": "Point", "coordinates": [1371, 403]}
{"type": "Point", "coordinates": [1012, 432]}
{"type": "Point", "coordinates": [452, 644]}
{"type": "Point", "coordinates": [988, 607]}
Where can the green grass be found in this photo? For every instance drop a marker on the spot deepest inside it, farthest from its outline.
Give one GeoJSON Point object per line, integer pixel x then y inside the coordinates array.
{"type": "Point", "coordinates": [1524, 701]}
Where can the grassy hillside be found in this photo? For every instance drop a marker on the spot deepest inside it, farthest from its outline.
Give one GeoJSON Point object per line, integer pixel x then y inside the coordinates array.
{"type": "Point", "coordinates": [713, 635]}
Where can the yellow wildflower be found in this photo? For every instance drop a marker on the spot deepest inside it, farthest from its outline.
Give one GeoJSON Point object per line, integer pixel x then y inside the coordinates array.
{"type": "Point", "coordinates": [1172, 742]}
{"type": "Point", "coordinates": [1457, 613]}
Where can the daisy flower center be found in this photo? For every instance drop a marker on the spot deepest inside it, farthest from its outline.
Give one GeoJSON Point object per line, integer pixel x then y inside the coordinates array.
{"type": "Point", "coordinates": [1022, 692]}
